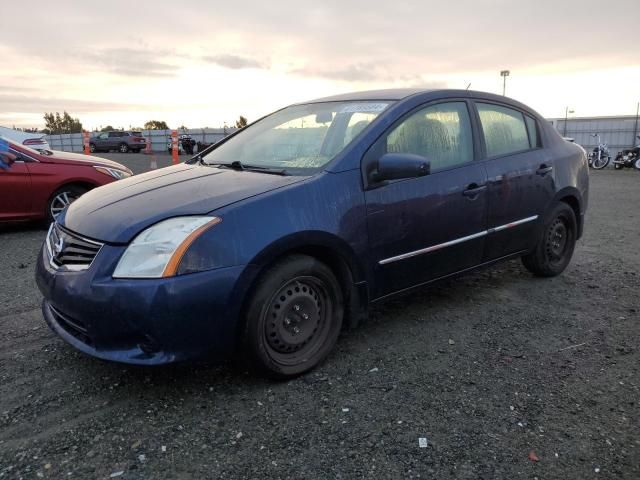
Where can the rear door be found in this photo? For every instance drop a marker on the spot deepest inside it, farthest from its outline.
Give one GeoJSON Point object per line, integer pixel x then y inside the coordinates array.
{"type": "Point", "coordinates": [427, 227]}
{"type": "Point", "coordinates": [114, 140]}
{"type": "Point", "coordinates": [520, 177]}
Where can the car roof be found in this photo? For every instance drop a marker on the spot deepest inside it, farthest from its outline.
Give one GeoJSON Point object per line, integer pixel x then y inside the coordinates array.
{"type": "Point", "coordinates": [18, 135]}
{"type": "Point", "coordinates": [424, 94]}
{"type": "Point", "coordinates": [384, 94]}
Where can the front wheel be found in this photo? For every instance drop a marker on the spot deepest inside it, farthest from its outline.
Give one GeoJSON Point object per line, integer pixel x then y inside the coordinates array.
{"type": "Point", "coordinates": [92, 147]}
{"type": "Point", "coordinates": [293, 318]}
{"type": "Point", "coordinates": [555, 247]}
{"type": "Point", "coordinates": [600, 163]}
{"type": "Point", "coordinates": [62, 198]}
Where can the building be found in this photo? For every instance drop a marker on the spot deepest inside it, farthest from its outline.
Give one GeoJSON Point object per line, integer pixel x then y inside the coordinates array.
{"type": "Point", "coordinates": [618, 132]}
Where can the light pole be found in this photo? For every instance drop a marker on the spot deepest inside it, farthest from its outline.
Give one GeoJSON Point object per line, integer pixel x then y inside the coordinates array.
{"type": "Point", "coordinates": [504, 74]}
{"type": "Point", "coordinates": [566, 116]}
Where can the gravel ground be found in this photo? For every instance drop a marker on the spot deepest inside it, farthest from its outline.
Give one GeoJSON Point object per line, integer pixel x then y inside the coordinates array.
{"type": "Point", "coordinates": [495, 369]}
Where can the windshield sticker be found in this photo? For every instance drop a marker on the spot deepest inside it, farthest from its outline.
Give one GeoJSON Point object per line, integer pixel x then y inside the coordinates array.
{"type": "Point", "coordinates": [364, 108]}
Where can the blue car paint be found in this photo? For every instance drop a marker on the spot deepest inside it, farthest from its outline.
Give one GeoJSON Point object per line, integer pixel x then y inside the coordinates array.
{"type": "Point", "coordinates": [332, 214]}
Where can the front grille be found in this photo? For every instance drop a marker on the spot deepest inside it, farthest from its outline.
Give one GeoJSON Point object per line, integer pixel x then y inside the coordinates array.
{"type": "Point", "coordinates": [68, 250]}
{"type": "Point", "coordinates": [72, 326]}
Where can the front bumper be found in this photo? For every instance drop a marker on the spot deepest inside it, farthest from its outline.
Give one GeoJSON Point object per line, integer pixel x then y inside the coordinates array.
{"type": "Point", "coordinates": [140, 321]}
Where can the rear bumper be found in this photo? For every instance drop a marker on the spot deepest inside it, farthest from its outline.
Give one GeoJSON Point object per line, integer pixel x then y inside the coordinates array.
{"type": "Point", "coordinates": [147, 321]}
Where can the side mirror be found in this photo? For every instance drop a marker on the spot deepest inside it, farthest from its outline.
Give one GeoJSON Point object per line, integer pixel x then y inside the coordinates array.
{"type": "Point", "coordinates": [394, 166]}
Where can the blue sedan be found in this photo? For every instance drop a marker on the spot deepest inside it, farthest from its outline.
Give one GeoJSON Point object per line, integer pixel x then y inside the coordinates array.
{"type": "Point", "coordinates": [265, 245]}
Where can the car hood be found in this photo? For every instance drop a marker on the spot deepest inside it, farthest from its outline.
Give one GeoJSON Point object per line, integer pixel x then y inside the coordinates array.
{"type": "Point", "coordinates": [117, 212]}
{"type": "Point", "coordinates": [69, 158]}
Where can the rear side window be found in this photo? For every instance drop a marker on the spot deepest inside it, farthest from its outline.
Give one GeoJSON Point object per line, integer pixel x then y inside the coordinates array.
{"type": "Point", "coordinates": [504, 129]}
{"type": "Point", "coordinates": [441, 133]}
{"type": "Point", "coordinates": [532, 128]}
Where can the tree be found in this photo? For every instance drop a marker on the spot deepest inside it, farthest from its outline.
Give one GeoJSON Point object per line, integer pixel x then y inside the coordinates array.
{"type": "Point", "coordinates": [56, 124]}
{"type": "Point", "coordinates": [241, 122]}
{"type": "Point", "coordinates": [156, 125]}
{"type": "Point", "coordinates": [108, 128]}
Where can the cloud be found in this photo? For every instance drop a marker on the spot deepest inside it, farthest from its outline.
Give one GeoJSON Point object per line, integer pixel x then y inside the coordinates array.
{"type": "Point", "coordinates": [234, 62]}
{"type": "Point", "coordinates": [31, 104]}
{"type": "Point", "coordinates": [131, 62]}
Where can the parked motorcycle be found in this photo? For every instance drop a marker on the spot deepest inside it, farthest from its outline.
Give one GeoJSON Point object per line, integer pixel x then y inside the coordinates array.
{"type": "Point", "coordinates": [185, 144]}
{"type": "Point", "coordinates": [629, 158]}
{"type": "Point", "coordinates": [600, 156]}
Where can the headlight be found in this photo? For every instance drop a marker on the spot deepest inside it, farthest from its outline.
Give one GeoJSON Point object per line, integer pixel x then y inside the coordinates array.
{"type": "Point", "coordinates": [113, 172]}
{"type": "Point", "coordinates": [157, 251]}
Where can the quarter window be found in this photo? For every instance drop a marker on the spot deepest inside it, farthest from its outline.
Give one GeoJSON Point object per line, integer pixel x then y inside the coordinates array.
{"type": "Point", "coordinates": [504, 130]}
{"type": "Point", "coordinates": [441, 133]}
{"type": "Point", "coordinates": [532, 128]}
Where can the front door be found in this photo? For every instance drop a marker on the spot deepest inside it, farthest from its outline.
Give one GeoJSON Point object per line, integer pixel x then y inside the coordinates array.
{"type": "Point", "coordinates": [424, 228]}
{"type": "Point", "coordinates": [15, 186]}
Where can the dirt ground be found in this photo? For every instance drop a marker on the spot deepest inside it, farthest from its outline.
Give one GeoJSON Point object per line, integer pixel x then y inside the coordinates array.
{"type": "Point", "coordinates": [496, 369]}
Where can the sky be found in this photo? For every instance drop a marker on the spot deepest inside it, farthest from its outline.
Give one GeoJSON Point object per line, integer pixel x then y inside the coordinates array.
{"type": "Point", "coordinates": [203, 63]}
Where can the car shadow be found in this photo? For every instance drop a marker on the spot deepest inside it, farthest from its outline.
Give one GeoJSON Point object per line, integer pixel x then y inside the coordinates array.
{"type": "Point", "coordinates": [398, 313]}
{"type": "Point", "coordinates": [21, 227]}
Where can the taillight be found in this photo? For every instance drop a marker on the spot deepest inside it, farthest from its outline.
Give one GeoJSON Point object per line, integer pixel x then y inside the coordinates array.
{"type": "Point", "coordinates": [138, 139]}
{"type": "Point", "coordinates": [34, 141]}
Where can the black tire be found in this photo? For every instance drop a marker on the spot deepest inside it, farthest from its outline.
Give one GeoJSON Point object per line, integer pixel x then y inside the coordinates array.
{"type": "Point", "coordinates": [555, 248]}
{"type": "Point", "coordinates": [293, 318]}
{"type": "Point", "coordinates": [92, 147]}
{"type": "Point", "coordinates": [636, 164]}
{"type": "Point", "coordinates": [61, 198]}
{"type": "Point", "coordinates": [123, 148]}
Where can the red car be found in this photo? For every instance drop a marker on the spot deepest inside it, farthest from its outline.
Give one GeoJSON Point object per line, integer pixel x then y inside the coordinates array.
{"type": "Point", "coordinates": [39, 185]}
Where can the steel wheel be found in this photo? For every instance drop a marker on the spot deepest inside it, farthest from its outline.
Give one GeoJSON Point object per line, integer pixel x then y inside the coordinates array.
{"type": "Point", "coordinates": [295, 325]}
{"type": "Point", "coordinates": [293, 317]}
{"type": "Point", "coordinates": [556, 243]}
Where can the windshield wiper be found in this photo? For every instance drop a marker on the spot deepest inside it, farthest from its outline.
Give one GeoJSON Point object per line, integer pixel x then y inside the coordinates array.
{"type": "Point", "coordinates": [239, 166]}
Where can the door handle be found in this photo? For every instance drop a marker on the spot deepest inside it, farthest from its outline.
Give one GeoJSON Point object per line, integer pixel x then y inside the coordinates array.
{"type": "Point", "coordinates": [544, 169]}
{"type": "Point", "coordinates": [473, 190]}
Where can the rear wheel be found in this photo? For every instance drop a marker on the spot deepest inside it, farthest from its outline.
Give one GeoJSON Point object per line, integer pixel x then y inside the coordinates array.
{"type": "Point", "coordinates": [123, 148]}
{"type": "Point", "coordinates": [555, 247]}
{"type": "Point", "coordinates": [293, 318]}
{"type": "Point", "coordinates": [62, 198]}
{"type": "Point", "coordinates": [637, 164]}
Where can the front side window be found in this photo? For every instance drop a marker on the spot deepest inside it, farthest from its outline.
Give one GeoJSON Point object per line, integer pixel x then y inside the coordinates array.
{"type": "Point", "coordinates": [504, 129]}
{"type": "Point", "coordinates": [298, 139]}
{"type": "Point", "coordinates": [441, 133]}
